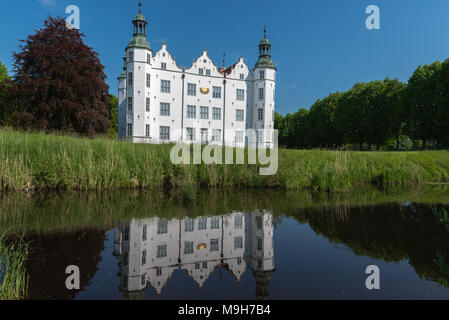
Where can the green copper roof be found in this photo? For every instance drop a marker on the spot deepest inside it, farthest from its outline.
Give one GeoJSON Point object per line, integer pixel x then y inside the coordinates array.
{"type": "Point", "coordinates": [139, 17]}
{"type": "Point", "coordinates": [139, 41]}
{"type": "Point", "coordinates": [123, 75]}
{"type": "Point", "coordinates": [265, 62]}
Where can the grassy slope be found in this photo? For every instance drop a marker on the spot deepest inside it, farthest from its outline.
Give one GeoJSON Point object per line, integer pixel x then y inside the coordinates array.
{"type": "Point", "coordinates": [39, 161]}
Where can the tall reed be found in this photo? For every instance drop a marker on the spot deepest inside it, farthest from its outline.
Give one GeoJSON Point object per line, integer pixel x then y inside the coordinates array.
{"type": "Point", "coordinates": [13, 274]}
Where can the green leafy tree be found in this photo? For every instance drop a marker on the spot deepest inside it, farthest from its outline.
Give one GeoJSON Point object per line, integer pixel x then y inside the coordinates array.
{"type": "Point", "coordinates": [321, 122]}
{"type": "Point", "coordinates": [113, 105]}
{"type": "Point", "coordinates": [352, 116]}
{"type": "Point", "coordinates": [5, 86]}
{"type": "Point", "coordinates": [3, 72]}
{"type": "Point", "coordinates": [442, 112]}
{"type": "Point", "coordinates": [422, 100]}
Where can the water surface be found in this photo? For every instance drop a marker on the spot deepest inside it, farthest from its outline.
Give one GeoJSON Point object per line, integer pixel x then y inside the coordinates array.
{"type": "Point", "coordinates": [236, 245]}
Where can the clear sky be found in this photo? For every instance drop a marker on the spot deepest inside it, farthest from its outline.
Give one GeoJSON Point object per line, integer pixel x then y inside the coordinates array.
{"type": "Point", "coordinates": [319, 46]}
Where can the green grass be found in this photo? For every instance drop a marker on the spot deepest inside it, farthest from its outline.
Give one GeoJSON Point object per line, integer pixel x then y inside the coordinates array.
{"type": "Point", "coordinates": [13, 276]}
{"type": "Point", "coordinates": [38, 161]}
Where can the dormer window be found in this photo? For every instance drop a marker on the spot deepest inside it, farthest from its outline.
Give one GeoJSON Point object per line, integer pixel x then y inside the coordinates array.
{"type": "Point", "coordinates": [201, 72]}
{"type": "Point", "coordinates": [163, 66]}
{"type": "Point", "coordinates": [207, 72]}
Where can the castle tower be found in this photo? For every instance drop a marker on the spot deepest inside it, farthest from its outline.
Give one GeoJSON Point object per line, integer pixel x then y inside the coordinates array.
{"type": "Point", "coordinates": [262, 251]}
{"type": "Point", "coordinates": [135, 116]}
{"type": "Point", "coordinates": [264, 95]}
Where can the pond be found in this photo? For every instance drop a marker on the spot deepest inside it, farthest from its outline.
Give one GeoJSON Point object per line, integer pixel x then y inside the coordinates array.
{"type": "Point", "coordinates": [237, 244]}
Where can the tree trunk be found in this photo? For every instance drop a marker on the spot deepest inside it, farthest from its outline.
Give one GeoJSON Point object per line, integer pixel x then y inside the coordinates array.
{"type": "Point", "coordinates": [397, 143]}
{"type": "Point", "coordinates": [378, 147]}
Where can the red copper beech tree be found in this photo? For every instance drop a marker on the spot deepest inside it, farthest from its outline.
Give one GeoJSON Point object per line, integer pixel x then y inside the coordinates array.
{"type": "Point", "coordinates": [59, 83]}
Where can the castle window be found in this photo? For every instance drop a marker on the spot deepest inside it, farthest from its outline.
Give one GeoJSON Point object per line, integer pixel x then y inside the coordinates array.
{"type": "Point", "coordinates": [130, 103]}
{"type": "Point", "coordinates": [125, 259]}
{"type": "Point", "coordinates": [148, 101]}
{"type": "Point", "coordinates": [238, 139]}
{"type": "Point", "coordinates": [148, 58]}
{"type": "Point", "coordinates": [214, 245]}
{"type": "Point", "coordinates": [143, 280]}
{"type": "Point", "coordinates": [158, 272]}
{"type": "Point", "coordinates": [260, 114]}
{"type": "Point", "coordinates": [163, 66]}
{"type": "Point", "coordinates": [147, 132]}
{"type": "Point", "coordinates": [216, 92]}
{"type": "Point", "coordinates": [127, 228]}
{"type": "Point", "coordinates": [191, 112]}
{"type": "Point", "coordinates": [130, 56]}
{"type": "Point", "coordinates": [262, 75]}
{"type": "Point", "coordinates": [204, 113]}
{"type": "Point", "coordinates": [260, 136]}
{"type": "Point", "coordinates": [188, 247]}
{"type": "Point", "coordinates": [207, 72]}
{"type": "Point", "coordinates": [240, 95]}
{"type": "Point", "coordinates": [259, 222]}
{"type": "Point", "coordinates": [165, 133]}
{"type": "Point", "coordinates": [202, 223]}
{"type": "Point", "coordinates": [190, 134]}
{"type": "Point", "coordinates": [189, 225]}
{"type": "Point", "coordinates": [162, 227]}
{"type": "Point", "coordinates": [242, 76]}
{"type": "Point", "coordinates": [216, 135]}
{"type": "Point", "coordinates": [191, 89]}
{"type": "Point", "coordinates": [259, 244]}
{"type": "Point", "coordinates": [201, 72]}
{"type": "Point", "coordinates": [130, 130]}
{"type": "Point", "coordinates": [165, 86]}
{"type": "Point", "coordinates": [238, 220]}
{"type": "Point", "coordinates": [238, 243]}
{"type": "Point", "coordinates": [148, 80]}
{"type": "Point", "coordinates": [162, 251]}
{"type": "Point", "coordinates": [215, 223]}
{"type": "Point", "coordinates": [240, 115]}
{"type": "Point", "coordinates": [261, 94]}
{"type": "Point", "coordinates": [130, 78]}
{"type": "Point", "coordinates": [144, 233]}
{"type": "Point", "coordinates": [165, 109]}
{"type": "Point", "coordinates": [216, 113]}
{"type": "Point", "coordinates": [144, 257]}
{"type": "Point", "coordinates": [204, 136]}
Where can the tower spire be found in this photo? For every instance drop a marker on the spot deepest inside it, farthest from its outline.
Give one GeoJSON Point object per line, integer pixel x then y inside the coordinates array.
{"type": "Point", "coordinates": [140, 7]}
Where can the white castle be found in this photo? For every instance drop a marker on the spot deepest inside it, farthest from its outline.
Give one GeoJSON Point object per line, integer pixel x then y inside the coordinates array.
{"type": "Point", "coordinates": [151, 250]}
{"type": "Point", "coordinates": [160, 102]}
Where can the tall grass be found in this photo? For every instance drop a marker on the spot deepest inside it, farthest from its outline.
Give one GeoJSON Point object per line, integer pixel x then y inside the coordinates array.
{"type": "Point", "coordinates": [40, 161]}
{"type": "Point", "coordinates": [13, 275]}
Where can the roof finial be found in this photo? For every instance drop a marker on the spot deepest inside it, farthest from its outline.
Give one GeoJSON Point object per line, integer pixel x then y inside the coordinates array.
{"type": "Point", "coordinates": [140, 7]}
{"type": "Point", "coordinates": [224, 60]}
{"type": "Point", "coordinates": [265, 31]}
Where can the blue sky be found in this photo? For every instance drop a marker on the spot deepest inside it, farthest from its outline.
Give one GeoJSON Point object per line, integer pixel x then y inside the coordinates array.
{"type": "Point", "coordinates": [319, 46]}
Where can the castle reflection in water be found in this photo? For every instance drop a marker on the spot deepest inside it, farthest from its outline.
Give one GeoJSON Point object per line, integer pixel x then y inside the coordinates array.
{"type": "Point", "coordinates": [151, 250]}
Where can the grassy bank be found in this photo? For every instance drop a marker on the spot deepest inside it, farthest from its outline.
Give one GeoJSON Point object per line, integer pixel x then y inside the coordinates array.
{"type": "Point", "coordinates": [13, 276]}
{"type": "Point", "coordinates": [39, 161]}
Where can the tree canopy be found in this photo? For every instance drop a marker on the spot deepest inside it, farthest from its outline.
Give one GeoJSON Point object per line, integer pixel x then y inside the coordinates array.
{"type": "Point", "coordinates": [59, 83]}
